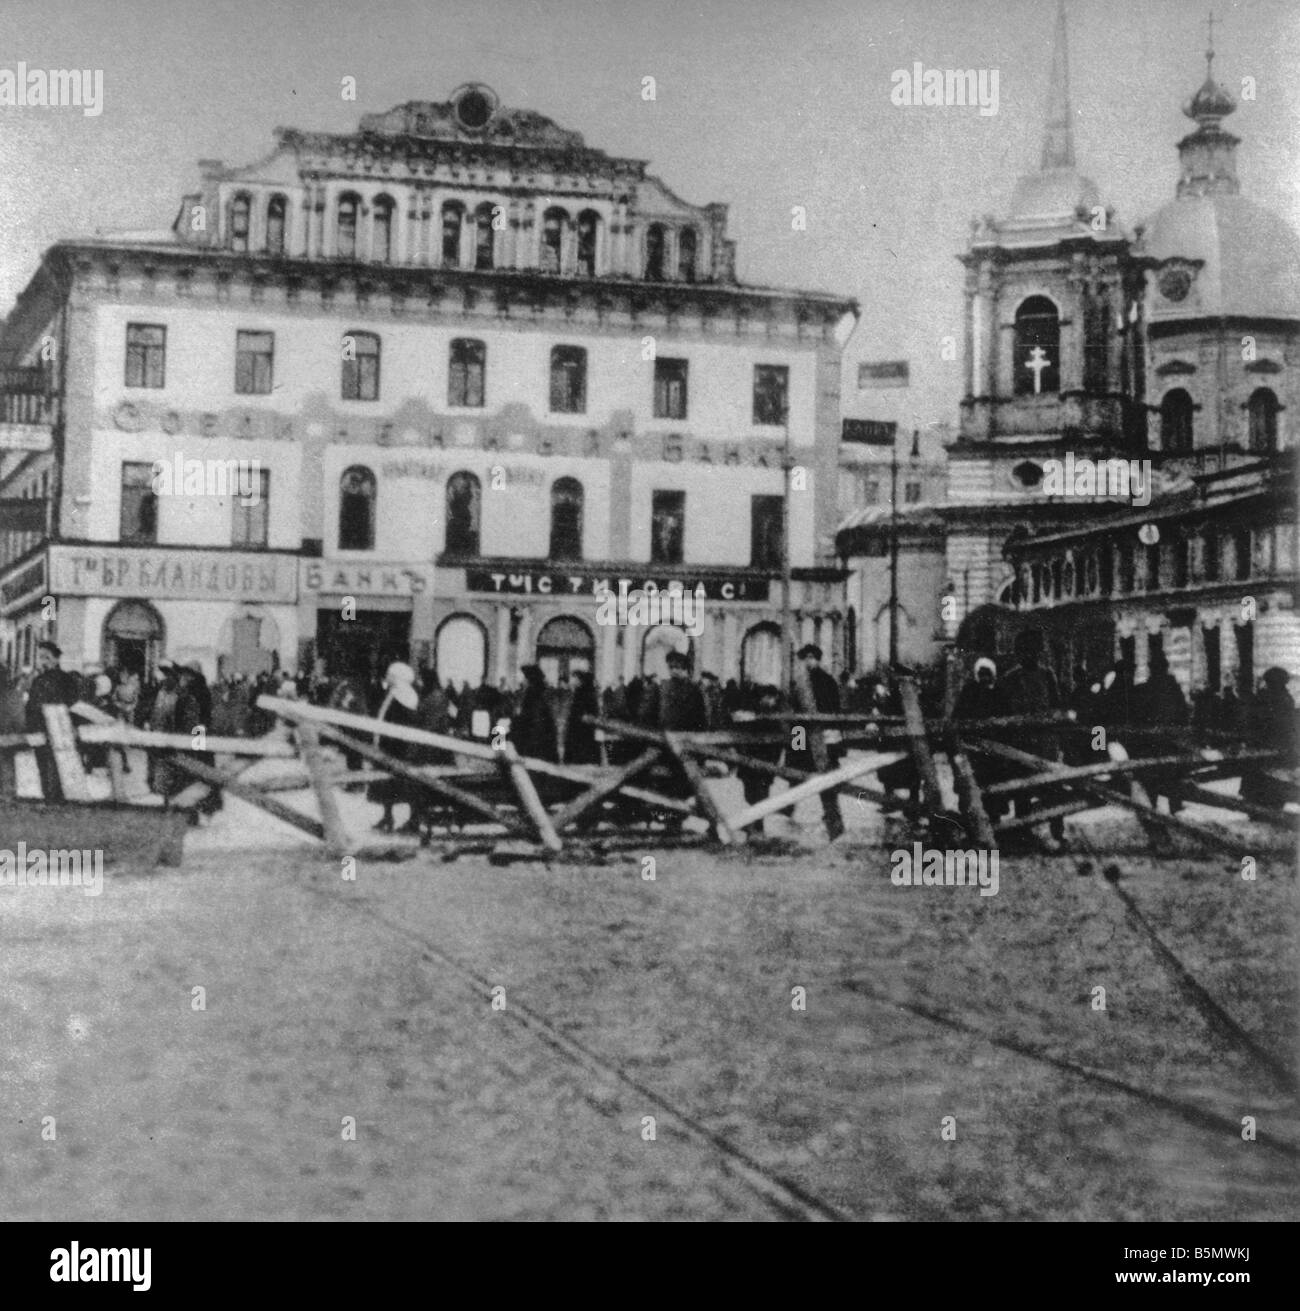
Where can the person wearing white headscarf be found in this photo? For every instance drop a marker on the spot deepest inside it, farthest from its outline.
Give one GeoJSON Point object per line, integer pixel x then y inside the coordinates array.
{"type": "Point", "coordinates": [398, 707]}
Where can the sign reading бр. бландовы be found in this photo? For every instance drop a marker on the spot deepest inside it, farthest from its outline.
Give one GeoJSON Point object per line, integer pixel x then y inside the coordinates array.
{"type": "Point", "coordinates": [175, 574]}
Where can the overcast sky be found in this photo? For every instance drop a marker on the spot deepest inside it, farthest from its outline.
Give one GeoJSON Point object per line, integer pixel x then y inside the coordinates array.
{"type": "Point", "coordinates": [760, 104]}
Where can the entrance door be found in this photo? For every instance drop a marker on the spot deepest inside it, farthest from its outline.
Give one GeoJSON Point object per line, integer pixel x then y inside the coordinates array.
{"type": "Point", "coordinates": [365, 646]}
{"type": "Point", "coordinates": [133, 637]}
{"type": "Point", "coordinates": [564, 646]}
{"type": "Point", "coordinates": [1245, 659]}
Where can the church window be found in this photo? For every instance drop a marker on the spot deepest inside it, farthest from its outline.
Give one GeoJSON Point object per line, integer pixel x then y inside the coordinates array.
{"type": "Point", "coordinates": [1176, 422]}
{"type": "Point", "coordinates": [1263, 409]}
{"type": "Point", "coordinates": [1038, 347]}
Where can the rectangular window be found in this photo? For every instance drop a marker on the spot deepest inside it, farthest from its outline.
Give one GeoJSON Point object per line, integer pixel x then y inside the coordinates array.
{"type": "Point", "coordinates": [1153, 568]}
{"type": "Point", "coordinates": [912, 493]}
{"type": "Point", "coordinates": [360, 366]}
{"type": "Point", "coordinates": [146, 354]}
{"type": "Point", "coordinates": [771, 393]}
{"type": "Point", "coordinates": [765, 531]}
{"type": "Point", "coordinates": [871, 495]}
{"type": "Point", "coordinates": [670, 388]}
{"type": "Point", "coordinates": [667, 527]}
{"type": "Point", "coordinates": [250, 521]}
{"type": "Point", "coordinates": [253, 362]}
{"type": "Point", "coordinates": [467, 364]}
{"type": "Point", "coordinates": [568, 380]}
{"type": "Point", "coordinates": [139, 519]}
{"type": "Point", "coordinates": [1211, 560]}
{"type": "Point", "coordinates": [1241, 549]}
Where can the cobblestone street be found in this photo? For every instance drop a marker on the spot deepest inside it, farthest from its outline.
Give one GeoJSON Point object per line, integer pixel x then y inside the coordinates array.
{"type": "Point", "coordinates": [373, 999]}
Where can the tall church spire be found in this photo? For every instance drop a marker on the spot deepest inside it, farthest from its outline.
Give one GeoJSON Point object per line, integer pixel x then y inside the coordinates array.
{"type": "Point", "coordinates": [1058, 138]}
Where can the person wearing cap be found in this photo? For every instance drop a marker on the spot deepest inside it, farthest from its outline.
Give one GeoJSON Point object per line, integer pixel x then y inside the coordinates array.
{"type": "Point", "coordinates": [815, 691]}
{"type": "Point", "coordinates": [399, 706]}
{"type": "Point", "coordinates": [52, 686]}
{"type": "Point", "coordinates": [682, 707]}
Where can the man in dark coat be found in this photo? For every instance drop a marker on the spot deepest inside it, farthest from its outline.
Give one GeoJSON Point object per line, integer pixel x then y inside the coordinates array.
{"type": "Point", "coordinates": [1271, 726]}
{"type": "Point", "coordinates": [680, 702]}
{"type": "Point", "coordinates": [1160, 703]}
{"type": "Point", "coordinates": [816, 691]}
{"type": "Point", "coordinates": [580, 745]}
{"type": "Point", "coordinates": [52, 686]}
{"type": "Point", "coordinates": [757, 784]}
{"type": "Point", "coordinates": [533, 729]}
{"type": "Point", "coordinates": [983, 698]}
{"type": "Point", "coordinates": [1032, 689]}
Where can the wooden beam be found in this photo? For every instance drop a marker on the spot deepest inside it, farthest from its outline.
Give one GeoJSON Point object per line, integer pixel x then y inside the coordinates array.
{"type": "Point", "coordinates": [932, 796]}
{"type": "Point", "coordinates": [968, 790]}
{"type": "Point", "coordinates": [571, 812]}
{"type": "Point", "coordinates": [1070, 773]}
{"type": "Point", "coordinates": [246, 792]}
{"type": "Point", "coordinates": [809, 788]}
{"type": "Point", "coordinates": [67, 759]}
{"type": "Point", "coordinates": [510, 765]}
{"type": "Point", "coordinates": [403, 770]}
{"type": "Point", "coordinates": [699, 783]}
{"type": "Point", "coordinates": [337, 842]}
{"type": "Point", "coordinates": [1208, 797]}
{"type": "Point", "coordinates": [1143, 809]}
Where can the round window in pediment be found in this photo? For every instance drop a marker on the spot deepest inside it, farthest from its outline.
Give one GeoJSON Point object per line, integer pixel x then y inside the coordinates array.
{"type": "Point", "coordinates": [1027, 474]}
{"type": "Point", "coordinates": [475, 106]}
{"type": "Point", "coordinates": [1175, 284]}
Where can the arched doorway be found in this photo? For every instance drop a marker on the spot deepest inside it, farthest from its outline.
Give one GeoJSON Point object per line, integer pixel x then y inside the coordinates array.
{"type": "Point", "coordinates": [564, 646]}
{"type": "Point", "coordinates": [460, 651]}
{"type": "Point", "coordinates": [134, 638]}
{"type": "Point", "coordinates": [760, 655]}
{"type": "Point", "coordinates": [659, 642]}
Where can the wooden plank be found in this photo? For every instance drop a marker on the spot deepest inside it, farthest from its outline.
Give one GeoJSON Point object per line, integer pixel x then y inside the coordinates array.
{"type": "Point", "coordinates": [968, 790]}
{"type": "Point", "coordinates": [702, 794]}
{"type": "Point", "coordinates": [67, 759]}
{"type": "Point", "coordinates": [809, 788]}
{"type": "Point", "coordinates": [337, 841]}
{"type": "Point", "coordinates": [440, 786]}
{"type": "Point", "coordinates": [574, 810]}
{"type": "Point", "coordinates": [932, 796]}
{"type": "Point", "coordinates": [1042, 816]}
{"type": "Point", "coordinates": [1143, 809]}
{"type": "Point", "coordinates": [510, 765]}
{"type": "Point", "coordinates": [739, 759]}
{"type": "Point", "coordinates": [298, 711]}
{"type": "Point", "coordinates": [1208, 797]}
{"type": "Point", "coordinates": [1069, 773]}
{"type": "Point", "coordinates": [247, 792]}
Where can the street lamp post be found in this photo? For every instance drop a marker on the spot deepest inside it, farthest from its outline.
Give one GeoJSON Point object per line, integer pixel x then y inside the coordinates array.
{"type": "Point", "coordinates": [893, 554]}
{"type": "Point", "coordinates": [787, 636]}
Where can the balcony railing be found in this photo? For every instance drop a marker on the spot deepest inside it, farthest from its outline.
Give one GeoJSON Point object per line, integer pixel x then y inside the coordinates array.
{"type": "Point", "coordinates": [26, 404]}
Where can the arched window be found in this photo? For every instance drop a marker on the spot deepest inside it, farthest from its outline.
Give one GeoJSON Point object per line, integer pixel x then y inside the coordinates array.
{"type": "Point", "coordinates": [360, 366]}
{"type": "Point", "coordinates": [553, 222]}
{"type": "Point", "coordinates": [381, 245]}
{"type": "Point", "coordinates": [464, 495]}
{"type": "Point", "coordinates": [655, 242]}
{"type": "Point", "coordinates": [760, 655]}
{"type": "Point", "coordinates": [452, 216]}
{"type": "Point", "coordinates": [1176, 422]}
{"type": "Point", "coordinates": [460, 651]}
{"type": "Point", "coordinates": [240, 209]}
{"type": "Point", "coordinates": [566, 519]}
{"type": "Point", "coordinates": [276, 210]}
{"type": "Point", "coordinates": [357, 509]}
{"type": "Point", "coordinates": [346, 242]}
{"type": "Point", "coordinates": [484, 237]}
{"type": "Point", "coordinates": [588, 238]}
{"type": "Point", "coordinates": [1038, 347]}
{"type": "Point", "coordinates": [1263, 409]}
{"type": "Point", "coordinates": [565, 645]}
{"type": "Point", "coordinates": [466, 366]}
{"type": "Point", "coordinates": [686, 242]}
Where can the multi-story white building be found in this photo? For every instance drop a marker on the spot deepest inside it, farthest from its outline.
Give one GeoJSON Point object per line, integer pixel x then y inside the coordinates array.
{"type": "Point", "coordinates": [482, 370]}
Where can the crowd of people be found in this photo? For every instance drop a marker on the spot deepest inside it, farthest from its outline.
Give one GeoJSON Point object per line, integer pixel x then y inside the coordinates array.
{"type": "Point", "coordinates": [553, 722]}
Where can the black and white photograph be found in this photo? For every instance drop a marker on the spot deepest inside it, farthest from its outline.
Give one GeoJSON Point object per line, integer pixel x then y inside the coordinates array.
{"type": "Point", "coordinates": [650, 611]}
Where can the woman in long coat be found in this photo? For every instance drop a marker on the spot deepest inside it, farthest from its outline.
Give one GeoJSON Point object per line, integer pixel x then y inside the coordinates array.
{"type": "Point", "coordinates": [398, 707]}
